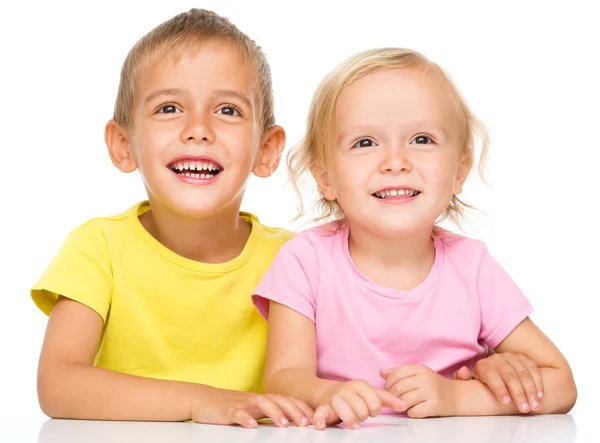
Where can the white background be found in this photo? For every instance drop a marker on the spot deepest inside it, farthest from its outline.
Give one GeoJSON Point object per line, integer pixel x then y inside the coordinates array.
{"type": "Point", "coordinates": [529, 71]}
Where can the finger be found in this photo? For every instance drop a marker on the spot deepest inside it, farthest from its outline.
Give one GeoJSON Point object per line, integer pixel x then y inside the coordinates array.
{"type": "Point", "coordinates": [491, 377]}
{"type": "Point", "coordinates": [404, 385]}
{"type": "Point", "coordinates": [526, 380]}
{"type": "Point", "coordinates": [535, 373]}
{"type": "Point", "coordinates": [290, 409]}
{"type": "Point", "coordinates": [323, 416]}
{"type": "Point", "coordinates": [345, 411]}
{"type": "Point", "coordinates": [370, 397]}
{"type": "Point", "coordinates": [307, 411]}
{"type": "Point", "coordinates": [391, 378]}
{"type": "Point", "coordinates": [389, 400]}
{"type": "Point", "coordinates": [421, 410]}
{"type": "Point", "coordinates": [270, 409]}
{"type": "Point", "coordinates": [413, 398]}
{"type": "Point", "coordinates": [243, 418]}
{"type": "Point", "coordinates": [514, 386]}
{"type": "Point", "coordinates": [462, 374]}
{"type": "Point", "coordinates": [357, 404]}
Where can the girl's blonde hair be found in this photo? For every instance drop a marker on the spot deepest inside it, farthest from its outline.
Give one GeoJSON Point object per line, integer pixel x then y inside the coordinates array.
{"type": "Point", "coordinates": [314, 151]}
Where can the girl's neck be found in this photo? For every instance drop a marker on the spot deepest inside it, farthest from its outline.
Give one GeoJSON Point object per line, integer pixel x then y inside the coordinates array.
{"type": "Point", "coordinates": [400, 263]}
{"type": "Point", "coordinates": [218, 238]}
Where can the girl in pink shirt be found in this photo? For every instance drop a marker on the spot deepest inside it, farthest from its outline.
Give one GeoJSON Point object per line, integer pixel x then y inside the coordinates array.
{"type": "Point", "coordinates": [380, 307]}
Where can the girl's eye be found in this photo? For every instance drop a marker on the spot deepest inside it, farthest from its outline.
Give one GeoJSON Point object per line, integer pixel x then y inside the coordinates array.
{"type": "Point", "coordinates": [421, 140]}
{"type": "Point", "coordinates": [168, 109]}
{"type": "Point", "coordinates": [229, 110]}
{"type": "Point", "coordinates": [364, 143]}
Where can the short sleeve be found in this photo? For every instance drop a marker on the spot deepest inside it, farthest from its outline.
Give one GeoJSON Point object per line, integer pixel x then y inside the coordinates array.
{"type": "Point", "coordinates": [291, 279]}
{"type": "Point", "coordinates": [81, 271]}
{"type": "Point", "coordinates": [503, 305]}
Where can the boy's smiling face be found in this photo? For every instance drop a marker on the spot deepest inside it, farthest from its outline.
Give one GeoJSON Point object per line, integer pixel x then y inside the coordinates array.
{"type": "Point", "coordinates": [196, 136]}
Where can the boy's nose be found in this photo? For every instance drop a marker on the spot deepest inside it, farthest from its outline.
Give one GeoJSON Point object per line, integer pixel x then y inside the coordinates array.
{"type": "Point", "coordinates": [199, 131]}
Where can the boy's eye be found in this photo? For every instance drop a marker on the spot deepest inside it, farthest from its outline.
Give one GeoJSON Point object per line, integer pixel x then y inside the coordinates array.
{"type": "Point", "coordinates": [229, 110]}
{"type": "Point", "coordinates": [421, 140]}
{"type": "Point", "coordinates": [364, 143]}
{"type": "Point", "coordinates": [168, 109]}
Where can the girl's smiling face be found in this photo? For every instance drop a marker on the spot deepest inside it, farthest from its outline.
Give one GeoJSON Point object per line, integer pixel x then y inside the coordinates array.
{"type": "Point", "coordinates": [398, 154]}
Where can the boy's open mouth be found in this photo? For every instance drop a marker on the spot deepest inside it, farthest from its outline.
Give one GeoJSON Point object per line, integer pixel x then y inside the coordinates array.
{"type": "Point", "coordinates": [397, 193]}
{"type": "Point", "coordinates": [196, 168]}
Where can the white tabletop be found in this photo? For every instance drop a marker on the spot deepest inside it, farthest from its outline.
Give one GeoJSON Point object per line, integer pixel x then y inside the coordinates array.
{"type": "Point", "coordinates": [546, 429]}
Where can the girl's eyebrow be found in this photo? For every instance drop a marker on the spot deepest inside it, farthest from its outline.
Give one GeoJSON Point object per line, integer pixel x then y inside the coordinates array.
{"type": "Point", "coordinates": [162, 92]}
{"type": "Point", "coordinates": [416, 126]}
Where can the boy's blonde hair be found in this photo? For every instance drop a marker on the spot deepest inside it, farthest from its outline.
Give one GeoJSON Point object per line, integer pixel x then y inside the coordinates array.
{"type": "Point", "coordinates": [314, 151]}
{"type": "Point", "coordinates": [185, 32]}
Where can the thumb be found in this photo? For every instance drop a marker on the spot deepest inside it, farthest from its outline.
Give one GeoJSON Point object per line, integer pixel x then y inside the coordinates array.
{"type": "Point", "coordinates": [385, 373]}
{"type": "Point", "coordinates": [462, 374]}
{"type": "Point", "coordinates": [389, 400]}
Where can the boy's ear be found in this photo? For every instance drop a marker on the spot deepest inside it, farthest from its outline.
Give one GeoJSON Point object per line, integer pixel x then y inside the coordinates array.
{"type": "Point", "coordinates": [322, 179]}
{"type": "Point", "coordinates": [117, 142]}
{"type": "Point", "coordinates": [269, 155]}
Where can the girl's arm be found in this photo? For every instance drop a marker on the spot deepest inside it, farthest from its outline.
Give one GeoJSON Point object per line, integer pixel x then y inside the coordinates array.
{"type": "Point", "coordinates": [560, 392]}
{"type": "Point", "coordinates": [69, 386]}
{"type": "Point", "coordinates": [292, 357]}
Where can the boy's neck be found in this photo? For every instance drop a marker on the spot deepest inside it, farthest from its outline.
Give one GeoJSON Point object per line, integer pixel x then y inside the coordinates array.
{"type": "Point", "coordinates": [215, 239]}
{"type": "Point", "coordinates": [401, 263]}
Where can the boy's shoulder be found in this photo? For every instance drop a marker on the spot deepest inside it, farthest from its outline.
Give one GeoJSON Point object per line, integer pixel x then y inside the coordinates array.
{"type": "Point", "coordinates": [117, 224]}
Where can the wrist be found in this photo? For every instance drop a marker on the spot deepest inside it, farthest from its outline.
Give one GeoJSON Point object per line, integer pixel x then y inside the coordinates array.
{"type": "Point", "coordinates": [452, 403]}
{"type": "Point", "coordinates": [325, 391]}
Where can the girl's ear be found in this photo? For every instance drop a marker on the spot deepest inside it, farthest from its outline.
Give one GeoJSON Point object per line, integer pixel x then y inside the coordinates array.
{"type": "Point", "coordinates": [462, 173]}
{"type": "Point", "coordinates": [117, 142]}
{"type": "Point", "coordinates": [324, 182]}
{"type": "Point", "coordinates": [269, 155]}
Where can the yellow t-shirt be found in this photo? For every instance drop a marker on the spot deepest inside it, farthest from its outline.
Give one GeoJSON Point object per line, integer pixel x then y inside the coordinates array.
{"type": "Point", "coordinates": [166, 316]}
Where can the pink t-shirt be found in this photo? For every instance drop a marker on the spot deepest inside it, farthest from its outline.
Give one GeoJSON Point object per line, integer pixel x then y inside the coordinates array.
{"type": "Point", "coordinates": [466, 304]}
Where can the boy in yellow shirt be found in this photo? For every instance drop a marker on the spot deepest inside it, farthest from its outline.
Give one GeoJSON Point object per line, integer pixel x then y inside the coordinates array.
{"type": "Point", "coordinates": [150, 310]}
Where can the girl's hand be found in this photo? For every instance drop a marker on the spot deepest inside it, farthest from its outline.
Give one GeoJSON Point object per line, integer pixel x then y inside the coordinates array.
{"type": "Point", "coordinates": [245, 408]}
{"type": "Point", "coordinates": [511, 375]}
{"type": "Point", "coordinates": [353, 402]}
{"type": "Point", "coordinates": [425, 392]}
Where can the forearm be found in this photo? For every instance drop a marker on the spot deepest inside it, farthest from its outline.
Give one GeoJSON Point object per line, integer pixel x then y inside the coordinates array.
{"type": "Point", "coordinates": [86, 392]}
{"type": "Point", "coordinates": [301, 384]}
{"type": "Point", "coordinates": [475, 398]}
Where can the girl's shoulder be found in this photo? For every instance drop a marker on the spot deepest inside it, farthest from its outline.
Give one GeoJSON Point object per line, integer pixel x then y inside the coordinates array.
{"type": "Point", "coordinates": [325, 238]}
{"type": "Point", "coordinates": [457, 247]}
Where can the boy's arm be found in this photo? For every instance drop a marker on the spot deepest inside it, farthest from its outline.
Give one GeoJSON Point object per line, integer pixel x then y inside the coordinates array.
{"type": "Point", "coordinates": [69, 386]}
{"type": "Point", "coordinates": [560, 392]}
{"type": "Point", "coordinates": [292, 357]}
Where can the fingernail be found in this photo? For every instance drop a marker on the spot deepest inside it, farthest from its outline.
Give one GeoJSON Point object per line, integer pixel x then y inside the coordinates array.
{"type": "Point", "coordinates": [524, 406]}
{"type": "Point", "coordinates": [304, 421]}
{"type": "Point", "coordinates": [540, 394]}
{"type": "Point", "coordinates": [506, 399]}
{"type": "Point", "coordinates": [284, 421]}
{"type": "Point", "coordinates": [535, 404]}
{"type": "Point", "coordinates": [252, 423]}
{"type": "Point", "coordinates": [356, 426]}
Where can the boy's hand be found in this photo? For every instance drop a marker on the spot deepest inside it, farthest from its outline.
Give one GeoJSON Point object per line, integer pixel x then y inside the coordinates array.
{"type": "Point", "coordinates": [353, 402]}
{"type": "Point", "coordinates": [509, 376]}
{"type": "Point", "coordinates": [425, 392]}
{"type": "Point", "coordinates": [245, 408]}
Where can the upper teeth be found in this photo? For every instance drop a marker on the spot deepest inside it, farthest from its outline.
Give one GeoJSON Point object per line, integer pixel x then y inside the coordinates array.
{"type": "Point", "coordinates": [394, 192]}
{"type": "Point", "coordinates": [195, 166]}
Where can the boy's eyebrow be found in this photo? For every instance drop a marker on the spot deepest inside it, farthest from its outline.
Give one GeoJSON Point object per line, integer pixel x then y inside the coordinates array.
{"type": "Point", "coordinates": [161, 92]}
{"type": "Point", "coordinates": [224, 93]}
